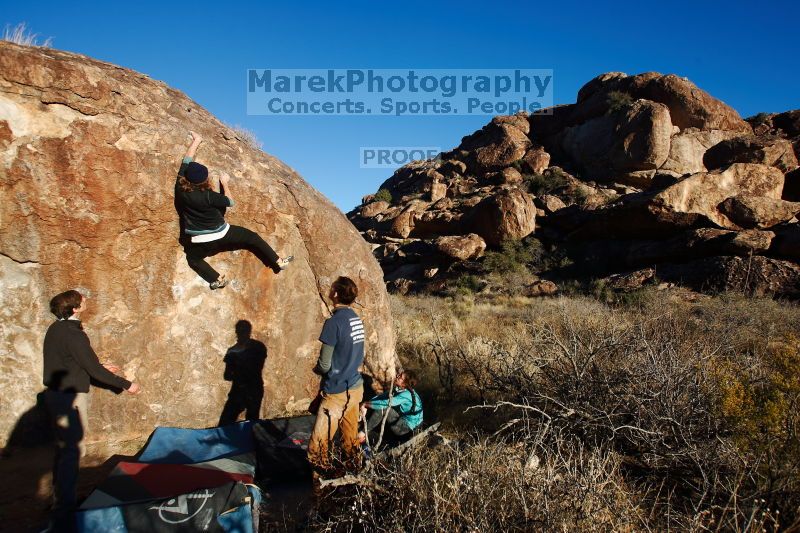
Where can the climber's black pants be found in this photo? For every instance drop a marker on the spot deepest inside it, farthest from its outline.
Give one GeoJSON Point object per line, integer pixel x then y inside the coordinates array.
{"type": "Point", "coordinates": [237, 238]}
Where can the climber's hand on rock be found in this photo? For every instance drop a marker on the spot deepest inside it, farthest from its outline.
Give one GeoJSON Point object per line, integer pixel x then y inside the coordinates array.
{"type": "Point", "coordinates": [196, 137]}
{"type": "Point", "coordinates": [224, 178]}
{"type": "Point", "coordinates": [134, 388]}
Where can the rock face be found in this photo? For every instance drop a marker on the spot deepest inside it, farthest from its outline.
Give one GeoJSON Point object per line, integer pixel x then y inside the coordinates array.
{"type": "Point", "coordinates": [508, 215]}
{"type": "Point", "coordinates": [465, 247]}
{"type": "Point", "coordinates": [766, 150]}
{"type": "Point", "coordinates": [641, 170]}
{"type": "Point", "coordinates": [88, 157]}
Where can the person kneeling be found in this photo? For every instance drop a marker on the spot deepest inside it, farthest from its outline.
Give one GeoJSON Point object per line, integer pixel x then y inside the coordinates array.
{"type": "Point", "coordinates": [404, 409]}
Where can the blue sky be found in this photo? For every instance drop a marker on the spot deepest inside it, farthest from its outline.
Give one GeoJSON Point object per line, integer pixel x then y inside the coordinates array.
{"type": "Point", "coordinates": [743, 53]}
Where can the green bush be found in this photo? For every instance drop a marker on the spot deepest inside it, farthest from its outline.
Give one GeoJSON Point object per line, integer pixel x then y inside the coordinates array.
{"type": "Point", "coordinates": [467, 284]}
{"type": "Point", "coordinates": [514, 256]}
{"type": "Point", "coordinates": [383, 195]}
{"type": "Point", "coordinates": [539, 184]}
{"type": "Point", "coordinates": [618, 101]}
{"type": "Point", "coordinates": [759, 118]}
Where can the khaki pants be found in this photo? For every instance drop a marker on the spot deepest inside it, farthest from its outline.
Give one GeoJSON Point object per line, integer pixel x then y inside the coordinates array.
{"type": "Point", "coordinates": [337, 411]}
{"type": "Point", "coordinates": [68, 413]}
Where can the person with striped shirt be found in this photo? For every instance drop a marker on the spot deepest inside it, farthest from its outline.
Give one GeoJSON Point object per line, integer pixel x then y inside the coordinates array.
{"type": "Point", "coordinates": [342, 390]}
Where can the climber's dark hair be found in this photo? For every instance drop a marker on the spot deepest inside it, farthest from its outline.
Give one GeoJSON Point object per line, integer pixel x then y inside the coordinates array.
{"type": "Point", "coordinates": [345, 289]}
{"type": "Point", "coordinates": [63, 305]}
{"type": "Point", "coordinates": [188, 186]}
{"type": "Point", "coordinates": [411, 378]}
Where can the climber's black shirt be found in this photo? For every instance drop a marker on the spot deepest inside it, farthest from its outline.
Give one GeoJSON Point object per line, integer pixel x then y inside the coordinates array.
{"type": "Point", "coordinates": [202, 211]}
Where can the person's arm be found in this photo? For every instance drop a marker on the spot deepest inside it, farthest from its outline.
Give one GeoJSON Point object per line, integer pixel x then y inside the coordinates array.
{"type": "Point", "coordinates": [325, 359]}
{"type": "Point", "coordinates": [189, 156]}
{"type": "Point", "coordinates": [192, 150]}
{"type": "Point", "coordinates": [328, 338]}
{"type": "Point", "coordinates": [225, 186]}
{"type": "Point", "coordinates": [81, 350]}
{"type": "Point", "coordinates": [401, 400]}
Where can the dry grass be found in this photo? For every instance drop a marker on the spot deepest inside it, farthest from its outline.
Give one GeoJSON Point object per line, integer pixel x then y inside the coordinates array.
{"type": "Point", "coordinates": [567, 414]}
{"type": "Point", "coordinates": [20, 34]}
{"type": "Point", "coordinates": [247, 136]}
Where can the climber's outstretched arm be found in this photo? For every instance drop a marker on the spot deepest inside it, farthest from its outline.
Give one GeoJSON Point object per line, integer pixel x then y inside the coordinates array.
{"type": "Point", "coordinates": [192, 150]}
{"type": "Point", "coordinates": [225, 186]}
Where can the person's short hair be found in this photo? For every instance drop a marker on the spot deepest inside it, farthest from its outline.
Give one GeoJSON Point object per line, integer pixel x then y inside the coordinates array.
{"type": "Point", "coordinates": [63, 305]}
{"type": "Point", "coordinates": [346, 290]}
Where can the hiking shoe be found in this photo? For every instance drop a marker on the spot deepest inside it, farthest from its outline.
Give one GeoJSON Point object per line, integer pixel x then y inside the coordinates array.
{"type": "Point", "coordinates": [219, 284]}
{"type": "Point", "coordinates": [283, 263]}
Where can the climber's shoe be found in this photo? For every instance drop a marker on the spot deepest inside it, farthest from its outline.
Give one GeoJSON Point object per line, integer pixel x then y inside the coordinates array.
{"type": "Point", "coordinates": [284, 263]}
{"type": "Point", "coordinates": [221, 282]}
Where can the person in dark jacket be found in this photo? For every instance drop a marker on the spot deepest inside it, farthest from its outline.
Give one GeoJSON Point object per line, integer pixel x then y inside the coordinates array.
{"type": "Point", "coordinates": [202, 211]}
{"type": "Point", "coordinates": [69, 365]}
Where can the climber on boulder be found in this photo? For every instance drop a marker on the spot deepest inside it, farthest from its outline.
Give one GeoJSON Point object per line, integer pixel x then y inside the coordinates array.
{"type": "Point", "coordinates": [202, 207]}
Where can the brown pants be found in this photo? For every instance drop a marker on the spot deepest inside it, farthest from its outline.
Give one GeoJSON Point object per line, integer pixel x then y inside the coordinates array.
{"type": "Point", "coordinates": [337, 411]}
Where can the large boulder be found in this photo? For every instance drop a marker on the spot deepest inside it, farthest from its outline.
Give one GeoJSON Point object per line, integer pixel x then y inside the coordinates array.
{"type": "Point", "coordinates": [373, 209]}
{"type": "Point", "coordinates": [700, 194]}
{"type": "Point", "coordinates": [508, 215]}
{"type": "Point", "coordinates": [88, 157]}
{"type": "Point", "coordinates": [498, 144]}
{"type": "Point", "coordinates": [688, 148]}
{"type": "Point", "coordinates": [691, 202]}
{"type": "Point", "coordinates": [757, 275]}
{"type": "Point", "coordinates": [758, 212]}
{"type": "Point", "coordinates": [643, 137]}
{"type": "Point", "coordinates": [634, 139]}
{"type": "Point", "coordinates": [461, 247]}
{"type": "Point", "coordinates": [766, 150]}
{"type": "Point", "coordinates": [689, 106]}
{"type": "Point", "coordinates": [702, 242]}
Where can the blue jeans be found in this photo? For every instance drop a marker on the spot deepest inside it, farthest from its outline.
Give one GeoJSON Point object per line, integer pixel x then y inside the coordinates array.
{"type": "Point", "coordinates": [68, 413]}
{"type": "Point", "coordinates": [394, 421]}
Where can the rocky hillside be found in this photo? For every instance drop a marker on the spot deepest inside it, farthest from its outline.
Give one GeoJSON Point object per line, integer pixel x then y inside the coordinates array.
{"type": "Point", "coordinates": [645, 178]}
{"type": "Point", "coordinates": [88, 157]}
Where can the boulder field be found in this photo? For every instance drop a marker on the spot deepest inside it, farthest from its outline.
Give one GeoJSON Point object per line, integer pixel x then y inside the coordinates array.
{"type": "Point", "coordinates": [88, 157]}
{"type": "Point", "coordinates": [626, 178]}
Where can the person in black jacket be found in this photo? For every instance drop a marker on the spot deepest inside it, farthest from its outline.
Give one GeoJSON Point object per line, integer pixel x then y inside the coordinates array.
{"type": "Point", "coordinates": [202, 210]}
{"type": "Point", "coordinates": [69, 365]}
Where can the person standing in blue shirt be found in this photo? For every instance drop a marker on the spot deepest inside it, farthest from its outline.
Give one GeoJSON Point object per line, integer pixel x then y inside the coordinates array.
{"type": "Point", "coordinates": [342, 390]}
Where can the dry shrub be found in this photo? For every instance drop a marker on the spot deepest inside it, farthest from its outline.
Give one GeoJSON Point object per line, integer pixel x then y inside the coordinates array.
{"type": "Point", "coordinates": [20, 34]}
{"type": "Point", "coordinates": [477, 484]}
{"type": "Point", "coordinates": [247, 136]}
{"type": "Point", "coordinates": [698, 399]}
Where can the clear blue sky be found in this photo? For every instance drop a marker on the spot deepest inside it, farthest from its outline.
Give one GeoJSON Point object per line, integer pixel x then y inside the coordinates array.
{"type": "Point", "coordinates": [744, 53]}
